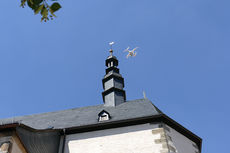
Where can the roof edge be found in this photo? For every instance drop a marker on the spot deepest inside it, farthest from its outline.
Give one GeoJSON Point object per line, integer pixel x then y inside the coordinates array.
{"type": "Point", "coordinates": [115, 124]}
{"type": "Point", "coordinates": [16, 124]}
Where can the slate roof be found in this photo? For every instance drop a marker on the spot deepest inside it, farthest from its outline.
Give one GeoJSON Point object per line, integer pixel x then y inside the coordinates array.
{"type": "Point", "coordinates": [84, 116]}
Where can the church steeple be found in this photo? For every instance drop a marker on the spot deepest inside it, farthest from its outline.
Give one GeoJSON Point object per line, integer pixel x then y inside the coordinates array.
{"type": "Point", "coordinates": [113, 83]}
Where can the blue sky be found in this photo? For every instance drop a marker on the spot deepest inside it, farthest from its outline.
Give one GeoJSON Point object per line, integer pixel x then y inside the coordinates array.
{"type": "Point", "coordinates": [183, 60]}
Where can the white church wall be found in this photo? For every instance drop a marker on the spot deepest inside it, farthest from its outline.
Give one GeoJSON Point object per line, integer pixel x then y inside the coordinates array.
{"type": "Point", "coordinates": [144, 138]}
{"type": "Point", "coordinates": [179, 143]}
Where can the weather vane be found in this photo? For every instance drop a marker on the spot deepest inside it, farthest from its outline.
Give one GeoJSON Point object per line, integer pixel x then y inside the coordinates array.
{"type": "Point", "coordinates": [111, 48]}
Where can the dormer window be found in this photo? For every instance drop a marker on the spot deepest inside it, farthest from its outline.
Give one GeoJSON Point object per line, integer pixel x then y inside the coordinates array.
{"type": "Point", "coordinates": [103, 116]}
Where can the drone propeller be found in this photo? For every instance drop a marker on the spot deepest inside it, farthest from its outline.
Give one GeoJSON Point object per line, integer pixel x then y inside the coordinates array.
{"type": "Point", "coordinates": [126, 50]}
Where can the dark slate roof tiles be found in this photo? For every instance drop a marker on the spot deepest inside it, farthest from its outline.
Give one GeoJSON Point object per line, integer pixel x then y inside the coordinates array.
{"type": "Point", "coordinates": [87, 115]}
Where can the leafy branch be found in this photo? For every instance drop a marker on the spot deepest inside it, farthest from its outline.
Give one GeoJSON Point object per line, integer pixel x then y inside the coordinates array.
{"type": "Point", "coordinates": [42, 6]}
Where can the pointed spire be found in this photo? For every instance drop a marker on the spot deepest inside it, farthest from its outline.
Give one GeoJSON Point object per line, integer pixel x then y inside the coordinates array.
{"type": "Point", "coordinates": [113, 82]}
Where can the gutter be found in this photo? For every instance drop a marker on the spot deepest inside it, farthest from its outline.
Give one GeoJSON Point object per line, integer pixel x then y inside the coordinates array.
{"type": "Point", "coordinates": [107, 125]}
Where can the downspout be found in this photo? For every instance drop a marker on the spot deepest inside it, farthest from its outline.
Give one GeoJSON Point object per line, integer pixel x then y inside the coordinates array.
{"type": "Point", "coordinates": [63, 142]}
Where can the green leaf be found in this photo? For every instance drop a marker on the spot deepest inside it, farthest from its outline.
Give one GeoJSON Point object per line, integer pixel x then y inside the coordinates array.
{"type": "Point", "coordinates": [44, 12]}
{"type": "Point", "coordinates": [23, 3]}
{"type": "Point", "coordinates": [39, 9]}
{"type": "Point", "coordinates": [36, 2]}
{"type": "Point", "coordinates": [30, 4]}
{"type": "Point", "coordinates": [42, 7]}
{"type": "Point", "coordinates": [31, 1]}
{"type": "Point", "coordinates": [55, 7]}
{"type": "Point", "coordinates": [52, 13]}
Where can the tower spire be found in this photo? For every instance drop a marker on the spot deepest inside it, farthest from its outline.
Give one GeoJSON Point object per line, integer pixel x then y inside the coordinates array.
{"type": "Point", "coordinates": [113, 82]}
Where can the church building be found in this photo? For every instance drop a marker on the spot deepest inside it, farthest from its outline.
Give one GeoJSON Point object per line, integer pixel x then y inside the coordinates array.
{"type": "Point", "coordinates": [116, 126]}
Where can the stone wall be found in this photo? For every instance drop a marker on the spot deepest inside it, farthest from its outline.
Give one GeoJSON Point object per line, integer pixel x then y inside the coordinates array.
{"type": "Point", "coordinates": [10, 143]}
{"type": "Point", "coordinates": [179, 143]}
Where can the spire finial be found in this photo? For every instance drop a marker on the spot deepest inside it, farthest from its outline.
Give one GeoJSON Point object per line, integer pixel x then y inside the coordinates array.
{"type": "Point", "coordinates": [111, 48]}
{"type": "Point", "coordinates": [111, 52]}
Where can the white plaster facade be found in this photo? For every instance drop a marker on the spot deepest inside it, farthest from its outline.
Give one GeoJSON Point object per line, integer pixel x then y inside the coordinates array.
{"type": "Point", "coordinates": [144, 138]}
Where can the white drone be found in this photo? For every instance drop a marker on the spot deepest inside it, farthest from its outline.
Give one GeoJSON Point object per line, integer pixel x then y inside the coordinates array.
{"type": "Point", "coordinates": [131, 52]}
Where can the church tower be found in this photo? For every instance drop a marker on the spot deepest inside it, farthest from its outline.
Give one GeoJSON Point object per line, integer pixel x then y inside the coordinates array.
{"type": "Point", "coordinates": [113, 83]}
